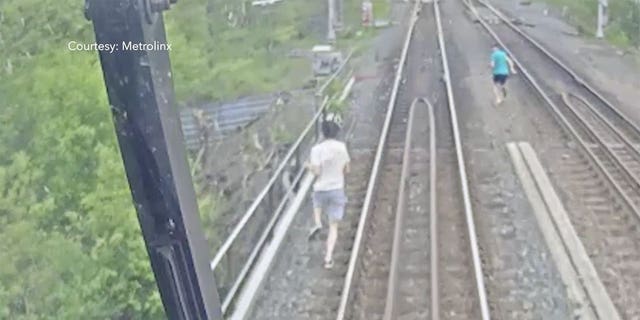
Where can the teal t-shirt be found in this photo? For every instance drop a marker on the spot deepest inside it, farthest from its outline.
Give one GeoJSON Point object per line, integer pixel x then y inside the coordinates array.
{"type": "Point", "coordinates": [500, 65]}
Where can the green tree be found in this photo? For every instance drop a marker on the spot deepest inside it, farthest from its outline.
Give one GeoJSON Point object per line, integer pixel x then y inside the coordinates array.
{"type": "Point", "coordinates": [70, 243]}
{"type": "Point", "coordinates": [71, 246]}
{"type": "Point", "coordinates": [47, 277]}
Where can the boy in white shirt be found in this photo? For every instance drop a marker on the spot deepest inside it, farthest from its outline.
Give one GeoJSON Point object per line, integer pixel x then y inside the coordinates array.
{"type": "Point", "coordinates": [329, 163]}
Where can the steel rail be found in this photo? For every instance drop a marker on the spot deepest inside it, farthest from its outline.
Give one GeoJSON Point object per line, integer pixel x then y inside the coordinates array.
{"type": "Point", "coordinates": [464, 183]}
{"type": "Point", "coordinates": [371, 186]}
{"type": "Point", "coordinates": [401, 206]}
{"type": "Point", "coordinates": [561, 64]}
{"type": "Point", "coordinates": [254, 206]}
{"type": "Point", "coordinates": [612, 154]}
{"type": "Point", "coordinates": [555, 109]}
{"type": "Point", "coordinates": [433, 217]}
{"type": "Point", "coordinates": [616, 159]}
{"type": "Point", "coordinates": [610, 125]}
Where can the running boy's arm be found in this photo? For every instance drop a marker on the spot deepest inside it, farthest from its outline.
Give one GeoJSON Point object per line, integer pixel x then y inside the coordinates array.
{"type": "Point", "coordinates": [347, 166]}
{"type": "Point", "coordinates": [314, 165]}
{"type": "Point", "coordinates": [492, 63]}
{"type": "Point", "coordinates": [314, 169]}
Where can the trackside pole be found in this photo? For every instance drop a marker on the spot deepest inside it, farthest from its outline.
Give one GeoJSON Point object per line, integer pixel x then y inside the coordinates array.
{"type": "Point", "coordinates": [140, 90]}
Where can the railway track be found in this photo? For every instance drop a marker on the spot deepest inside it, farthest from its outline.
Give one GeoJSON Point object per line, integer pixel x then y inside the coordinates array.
{"type": "Point", "coordinates": [397, 275]}
{"type": "Point", "coordinates": [373, 273]}
{"type": "Point", "coordinates": [410, 274]}
{"type": "Point", "coordinates": [317, 296]}
{"type": "Point", "coordinates": [610, 146]}
{"type": "Point", "coordinates": [603, 179]}
{"type": "Point", "coordinates": [299, 287]}
{"type": "Point", "coordinates": [610, 137]}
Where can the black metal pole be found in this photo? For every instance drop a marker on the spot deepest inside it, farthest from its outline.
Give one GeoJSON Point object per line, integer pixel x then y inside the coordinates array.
{"type": "Point", "coordinates": [140, 89]}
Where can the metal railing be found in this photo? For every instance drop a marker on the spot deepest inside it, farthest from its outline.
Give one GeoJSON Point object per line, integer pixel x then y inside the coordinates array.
{"type": "Point", "coordinates": [237, 255]}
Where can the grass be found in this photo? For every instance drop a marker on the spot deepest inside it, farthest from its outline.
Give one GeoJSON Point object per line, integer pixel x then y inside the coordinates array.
{"type": "Point", "coordinates": [215, 57]}
{"type": "Point", "coordinates": [381, 9]}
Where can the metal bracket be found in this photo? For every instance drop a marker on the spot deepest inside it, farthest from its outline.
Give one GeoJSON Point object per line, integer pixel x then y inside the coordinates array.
{"type": "Point", "coordinates": [153, 8]}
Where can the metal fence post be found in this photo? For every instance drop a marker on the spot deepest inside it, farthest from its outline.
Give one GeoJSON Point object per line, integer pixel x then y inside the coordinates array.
{"type": "Point", "coordinates": [317, 101]}
{"type": "Point", "coordinates": [331, 32]}
{"type": "Point", "coordinates": [602, 17]}
{"type": "Point", "coordinates": [140, 91]}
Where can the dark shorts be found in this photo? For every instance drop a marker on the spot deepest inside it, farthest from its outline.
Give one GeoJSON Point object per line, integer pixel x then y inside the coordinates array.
{"type": "Point", "coordinates": [500, 78]}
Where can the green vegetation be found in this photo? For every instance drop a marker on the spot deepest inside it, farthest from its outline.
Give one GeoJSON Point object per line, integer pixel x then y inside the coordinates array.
{"type": "Point", "coordinates": [335, 87]}
{"type": "Point", "coordinates": [281, 135]}
{"type": "Point", "coordinates": [70, 244]}
{"type": "Point", "coordinates": [337, 107]}
{"type": "Point", "coordinates": [228, 48]}
{"type": "Point", "coordinates": [353, 30]}
{"type": "Point", "coordinates": [624, 19]}
{"type": "Point", "coordinates": [334, 91]}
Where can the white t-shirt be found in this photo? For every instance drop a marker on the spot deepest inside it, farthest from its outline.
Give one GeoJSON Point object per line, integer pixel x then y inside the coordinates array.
{"type": "Point", "coordinates": [330, 156]}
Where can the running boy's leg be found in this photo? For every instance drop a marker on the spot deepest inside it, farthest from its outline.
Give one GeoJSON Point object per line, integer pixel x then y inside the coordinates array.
{"type": "Point", "coordinates": [317, 217]}
{"type": "Point", "coordinates": [331, 243]}
{"type": "Point", "coordinates": [499, 89]}
{"type": "Point", "coordinates": [496, 88]}
{"type": "Point", "coordinates": [335, 211]}
{"type": "Point", "coordinates": [503, 85]}
{"type": "Point", "coordinates": [317, 213]}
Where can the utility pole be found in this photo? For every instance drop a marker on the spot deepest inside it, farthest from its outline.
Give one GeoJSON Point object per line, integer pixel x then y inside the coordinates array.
{"type": "Point", "coordinates": [339, 15]}
{"type": "Point", "coordinates": [331, 34]}
{"type": "Point", "coordinates": [140, 89]}
{"type": "Point", "coordinates": [603, 5]}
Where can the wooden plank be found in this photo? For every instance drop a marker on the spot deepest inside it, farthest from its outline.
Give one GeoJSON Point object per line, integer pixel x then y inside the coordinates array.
{"type": "Point", "coordinates": [575, 292]}
{"type": "Point", "coordinates": [595, 289]}
{"type": "Point", "coordinates": [255, 281]}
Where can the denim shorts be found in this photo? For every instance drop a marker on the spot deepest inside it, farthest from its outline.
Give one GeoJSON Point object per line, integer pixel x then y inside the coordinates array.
{"type": "Point", "coordinates": [332, 203]}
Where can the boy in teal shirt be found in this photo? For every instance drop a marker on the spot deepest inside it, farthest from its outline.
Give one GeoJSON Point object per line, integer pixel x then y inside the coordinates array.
{"type": "Point", "coordinates": [502, 66]}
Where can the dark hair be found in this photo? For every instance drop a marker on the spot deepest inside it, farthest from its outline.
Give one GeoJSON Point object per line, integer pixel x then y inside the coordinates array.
{"type": "Point", "coordinates": [330, 129]}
